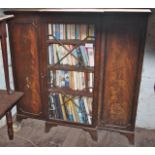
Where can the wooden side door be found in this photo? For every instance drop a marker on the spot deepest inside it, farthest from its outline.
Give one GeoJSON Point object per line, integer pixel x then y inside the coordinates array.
{"type": "Point", "coordinates": [24, 48]}
{"type": "Point", "coordinates": [121, 63]}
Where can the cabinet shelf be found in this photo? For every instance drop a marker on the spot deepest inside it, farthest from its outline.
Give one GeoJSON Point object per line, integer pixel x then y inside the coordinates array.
{"type": "Point", "coordinates": [70, 92]}
{"type": "Point", "coordinates": [71, 68]}
{"type": "Point", "coordinates": [70, 42]}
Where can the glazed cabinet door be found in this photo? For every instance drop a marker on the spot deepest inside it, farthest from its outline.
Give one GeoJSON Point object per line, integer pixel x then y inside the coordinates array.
{"type": "Point", "coordinates": [24, 48]}
{"type": "Point", "coordinates": [123, 42]}
{"type": "Point", "coordinates": [69, 62]}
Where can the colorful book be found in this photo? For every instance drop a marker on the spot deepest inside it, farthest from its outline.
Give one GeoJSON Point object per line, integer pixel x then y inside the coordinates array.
{"type": "Point", "coordinates": [68, 31]}
{"type": "Point", "coordinates": [87, 110]}
{"type": "Point", "coordinates": [91, 31]}
{"type": "Point", "coordinates": [58, 106]}
{"type": "Point", "coordinates": [72, 31]}
{"type": "Point", "coordinates": [50, 31]}
{"type": "Point", "coordinates": [61, 32]}
{"type": "Point", "coordinates": [51, 54]}
{"type": "Point", "coordinates": [52, 107]}
{"type": "Point", "coordinates": [78, 110]}
{"type": "Point", "coordinates": [62, 107]}
{"type": "Point", "coordinates": [90, 52]}
{"type": "Point", "coordinates": [84, 55]}
{"type": "Point", "coordinates": [77, 31]}
{"type": "Point", "coordinates": [57, 31]}
{"type": "Point", "coordinates": [83, 31]}
{"type": "Point", "coordinates": [66, 77]}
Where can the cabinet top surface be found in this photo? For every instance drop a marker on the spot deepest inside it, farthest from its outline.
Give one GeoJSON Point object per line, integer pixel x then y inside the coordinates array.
{"type": "Point", "coordinates": [93, 10]}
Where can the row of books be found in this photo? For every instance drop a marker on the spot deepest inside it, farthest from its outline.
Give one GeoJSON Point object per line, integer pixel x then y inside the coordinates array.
{"type": "Point", "coordinates": [72, 80]}
{"type": "Point", "coordinates": [71, 31]}
{"type": "Point", "coordinates": [68, 108]}
{"type": "Point", "coordinates": [81, 56]}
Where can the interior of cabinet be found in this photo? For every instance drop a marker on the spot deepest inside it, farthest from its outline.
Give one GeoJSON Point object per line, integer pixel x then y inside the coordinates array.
{"type": "Point", "coordinates": [70, 66]}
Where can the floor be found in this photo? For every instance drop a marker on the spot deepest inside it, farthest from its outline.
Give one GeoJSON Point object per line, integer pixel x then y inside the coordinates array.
{"type": "Point", "coordinates": [32, 133]}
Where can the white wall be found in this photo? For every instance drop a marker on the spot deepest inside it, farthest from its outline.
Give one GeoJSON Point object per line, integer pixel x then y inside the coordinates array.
{"type": "Point", "coordinates": [146, 104]}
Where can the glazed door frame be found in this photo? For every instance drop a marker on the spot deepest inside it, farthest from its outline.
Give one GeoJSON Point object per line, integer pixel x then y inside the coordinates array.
{"type": "Point", "coordinates": [68, 18]}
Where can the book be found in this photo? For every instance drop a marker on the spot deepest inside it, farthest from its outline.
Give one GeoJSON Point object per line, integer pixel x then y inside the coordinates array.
{"type": "Point", "coordinates": [61, 32]}
{"type": "Point", "coordinates": [90, 52]}
{"type": "Point", "coordinates": [90, 81]}
{"type": "Point", "coordinates": [87, 110]}
{"type": "Point", "coordinates": [58, 106]}
{"type": "Point", "coordinates": [68, 31]}
{"type": "Point", "coordinates": [64, 31]}
{"type": "Point", "coordinates": [52, 107]}
{"type": "Point", "coordinates": [51, 54]}
{"type": "Point", "coordinates": [77, 31]}
{"type": "Point", "coordinates": [51, 78]}
{"type": "Point", "coordinates": [66, 77]}
{"type": "Point", "coordinates": [57, 31]}
{"type": "Point", "coordinates": [84, 55]}
{"type": "Point", "coordinates": [83, 31]}
{"type": "Point", "coordinates": [83, 110]}
{"type": "Point", "coordinates": [70, 116]}
{"type": "Point", "coordinates": [50, 31]}
{"type": "Point", "coordinates": [78, 110]}
{"type": "Point", "coordinates": [91, 30]}
{"type": "Point", "coordinates": [62, 107]}
{"type": "Point", "coordinates": [72, 31]}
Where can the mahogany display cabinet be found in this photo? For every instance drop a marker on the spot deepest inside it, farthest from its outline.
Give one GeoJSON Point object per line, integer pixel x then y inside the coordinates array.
{"type": "Point", "coordinates": [79, 68]}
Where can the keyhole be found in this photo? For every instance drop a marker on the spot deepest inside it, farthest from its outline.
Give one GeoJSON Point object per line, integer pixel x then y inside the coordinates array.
{"type": "Point", "coordinates": [27, 82]}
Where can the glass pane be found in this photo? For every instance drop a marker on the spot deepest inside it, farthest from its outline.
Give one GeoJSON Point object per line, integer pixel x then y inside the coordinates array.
{"type": "Point", "coordinates": [69, 108]}
{"type": "Point", "coordinates": [71, 80]}
{"type": "Point", "coordinates": [68, 55]}
{"type": "Point", "coordinates": [71, 31]}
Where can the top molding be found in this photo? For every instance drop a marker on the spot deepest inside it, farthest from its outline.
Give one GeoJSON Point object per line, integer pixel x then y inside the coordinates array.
{"type": "Point", "coordinates": [81, 10]}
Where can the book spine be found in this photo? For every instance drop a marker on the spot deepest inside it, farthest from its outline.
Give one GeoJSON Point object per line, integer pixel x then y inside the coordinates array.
{"type": "Point", "coordinates": [57, 101]}
{"type": "Point", "coordinates": [87, 110]}
{"type": "Point", "coordinates": [68, 32]}
{"type": "Point", "coordinates": [64, 31]}
{"type": "Point", "coordinates": [51, 78]}
{"type": "Point", "coordinates": [72, 31]}
{"type": "Point", "coordinates": [69, 110]}
{"type": "Point", "coordinates": [49, 55]}
{"type": "Point", "coordinates": [57, 53]}
{"type": "Point", "coordinates": [78, 110]}
{"type": "Point", "coordinates": [66, 76]}
{"type": "Point", "coordinates": [52, 108]}
{"type": "Point", "coordinates": [83, 31]}
{"type": "Point", "coordinates": [50, 31]}
{"type": "Point", "coordinates": [77, 31]}
{"type": "Point", "coordinates": [84, 56]}
{"type": "Point", "coordinates": [91, 31]}
{"type": "Point", "coordinates": [62, 107]}
{"type": "Point", "coordinates": [57, 31]}
{"type": "Point", "coordinates": [90, 52]}
{"type": "Point", "coordinates": [61, 32]}
{"type": "Point", "coordinates": [82, 107]}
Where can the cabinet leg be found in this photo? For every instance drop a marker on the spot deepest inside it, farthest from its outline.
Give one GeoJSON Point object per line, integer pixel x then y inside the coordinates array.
{"type": "Point", "coordinates": [93, 134]}
{"type": "Point", "coordinates": [48, 126]}
{"type": "Point", "coordinates": [130, 137]}
{"type": "Point", "coordinates": [9, 125]}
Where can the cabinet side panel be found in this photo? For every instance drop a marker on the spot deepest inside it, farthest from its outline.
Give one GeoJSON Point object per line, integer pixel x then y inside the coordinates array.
{"type": "Point", "coordinates": [122, 56]}
{"type": "Point", "coordinates": [26, 66]}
